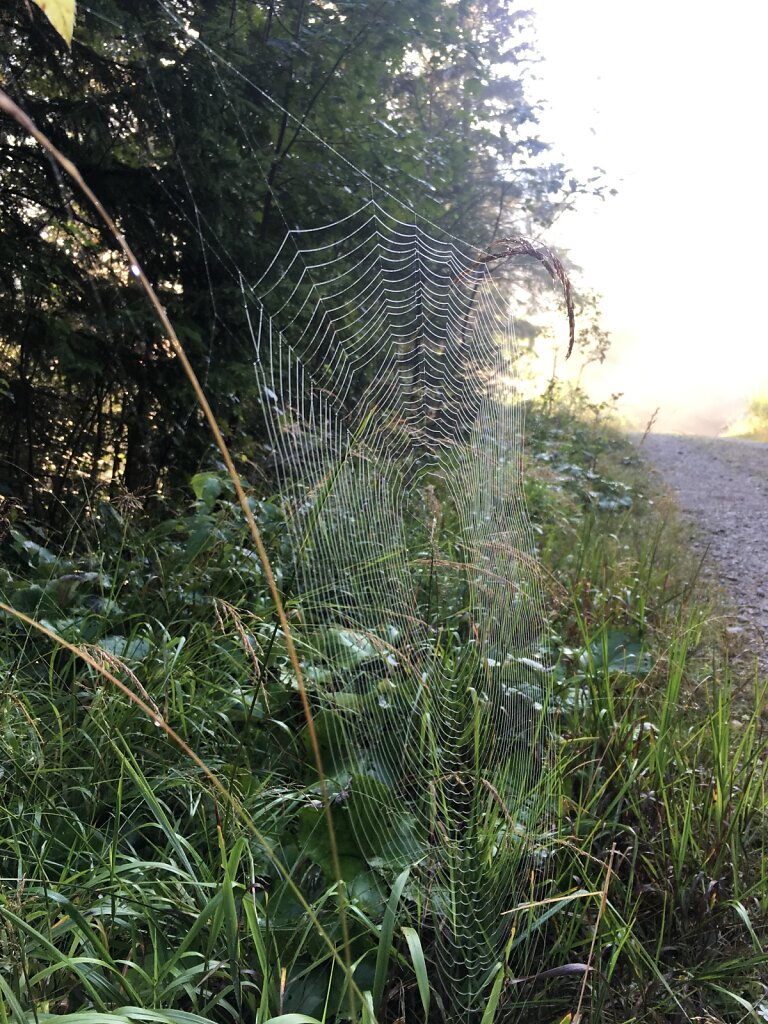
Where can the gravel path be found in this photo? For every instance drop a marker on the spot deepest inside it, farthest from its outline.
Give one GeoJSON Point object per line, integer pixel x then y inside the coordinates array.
{"type": "Point", "coordinates": [722, 487]}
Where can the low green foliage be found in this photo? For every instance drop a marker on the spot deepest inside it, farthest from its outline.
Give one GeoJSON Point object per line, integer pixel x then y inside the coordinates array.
{"type": "Point", "coordinates": [134, 892]}
{"type": "Point", "coordinates": [754, 427]}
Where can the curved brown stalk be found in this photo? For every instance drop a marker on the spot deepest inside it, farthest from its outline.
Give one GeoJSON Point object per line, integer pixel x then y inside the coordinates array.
{"type": "Point", "coordinates": [519, 245]}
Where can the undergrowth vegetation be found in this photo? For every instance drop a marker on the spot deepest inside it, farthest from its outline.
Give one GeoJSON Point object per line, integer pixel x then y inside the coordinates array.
{"type": "Point", "coordinates": [136, 890]}
{"type": "Point", "coordinates": [754, 425]}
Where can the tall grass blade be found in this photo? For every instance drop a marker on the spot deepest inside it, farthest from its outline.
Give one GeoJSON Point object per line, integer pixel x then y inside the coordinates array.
{"type": "Point", "coordinates": [384, 950]}
{"type": "Point", "coordinates": [489, 1013]}
{"type": "Point", "coordinates": [419, 966]}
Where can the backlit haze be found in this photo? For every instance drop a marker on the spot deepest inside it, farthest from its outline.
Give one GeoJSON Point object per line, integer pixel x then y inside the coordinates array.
{"type": "Point", "coordinates": [668, 98]}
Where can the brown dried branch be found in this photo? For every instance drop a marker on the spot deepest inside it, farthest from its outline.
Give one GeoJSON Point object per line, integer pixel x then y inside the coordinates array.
{"type": "Point", "coordinates": [519, 245]}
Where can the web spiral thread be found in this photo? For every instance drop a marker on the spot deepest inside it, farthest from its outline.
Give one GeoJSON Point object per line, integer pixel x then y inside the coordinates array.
{"type": "Point", "coordinates": [396, 432]}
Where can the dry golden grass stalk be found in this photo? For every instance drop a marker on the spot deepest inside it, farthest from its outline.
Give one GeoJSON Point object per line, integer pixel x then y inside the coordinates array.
{"type": "Point", "coordinates": [519, 245]}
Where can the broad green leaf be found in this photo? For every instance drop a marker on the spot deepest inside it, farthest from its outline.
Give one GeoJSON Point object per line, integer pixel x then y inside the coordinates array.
{"type": "Point", "coordinates": [61, 14]}
{"type": "Point", "coordinates": [389, 835]}
{"type": "Point", "coordinates": [37, 555]}
{"type": "Point", "coordinates": [348, 648]}
{"type": "Point", "coordinates": [616, 653]}
{"type": "Point", "coordinates": [121, 647]}
{"type": "Point", "coordinates": [208, 487]}
{"type": "Point", "coordinates": [313, 836]}
{"type": "Point", "coordinates": [293, 1018]}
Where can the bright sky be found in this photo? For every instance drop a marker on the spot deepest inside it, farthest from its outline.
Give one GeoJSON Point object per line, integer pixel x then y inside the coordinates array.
{"type": "Point", "coordinates": [668, 97]}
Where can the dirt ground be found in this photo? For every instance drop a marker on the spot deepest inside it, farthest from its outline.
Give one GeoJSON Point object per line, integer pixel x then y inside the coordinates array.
{"type": "Point", "coordinates": [722, 487]}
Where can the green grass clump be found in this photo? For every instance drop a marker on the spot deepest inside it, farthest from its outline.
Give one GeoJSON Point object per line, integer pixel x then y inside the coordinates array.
{"type": "Point", "coordinates": [134, 889]}
{"type": "Point", "coordinates": [663, 751]}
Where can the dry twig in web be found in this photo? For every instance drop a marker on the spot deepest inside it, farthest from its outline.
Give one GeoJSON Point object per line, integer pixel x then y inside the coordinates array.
{"type": "Point", "coordinates": [519, 245]}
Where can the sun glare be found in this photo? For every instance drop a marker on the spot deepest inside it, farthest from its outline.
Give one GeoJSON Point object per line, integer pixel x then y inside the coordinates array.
{"type": "Point", "coordinates": [667, 102]}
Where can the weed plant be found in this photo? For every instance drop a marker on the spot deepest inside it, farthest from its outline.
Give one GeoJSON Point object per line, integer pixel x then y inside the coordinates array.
{"type": "Point", "coordinates": [132, 890]}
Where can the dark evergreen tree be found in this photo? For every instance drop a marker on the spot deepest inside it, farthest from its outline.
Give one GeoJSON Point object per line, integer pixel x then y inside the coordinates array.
{"type": "Point", "coordinates": [206, 149]}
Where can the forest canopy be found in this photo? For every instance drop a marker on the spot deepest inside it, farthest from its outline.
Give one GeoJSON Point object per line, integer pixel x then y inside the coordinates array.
{"type": "Point", "coordinates": [209, 131]}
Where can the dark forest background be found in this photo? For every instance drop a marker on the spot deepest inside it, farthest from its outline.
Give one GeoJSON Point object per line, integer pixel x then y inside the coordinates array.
{"type": "Point", "coordinates": [204, 173]}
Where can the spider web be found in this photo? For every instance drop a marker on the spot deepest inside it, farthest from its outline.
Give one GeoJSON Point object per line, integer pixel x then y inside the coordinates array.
{"type": "Point", "coordinates": [387, 374]}
{"type": "Point", "coordinates": [385, 357]}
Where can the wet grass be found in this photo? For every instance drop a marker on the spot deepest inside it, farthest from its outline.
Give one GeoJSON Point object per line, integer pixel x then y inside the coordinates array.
{"type": "Point", "coordinates": [134, 889]}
